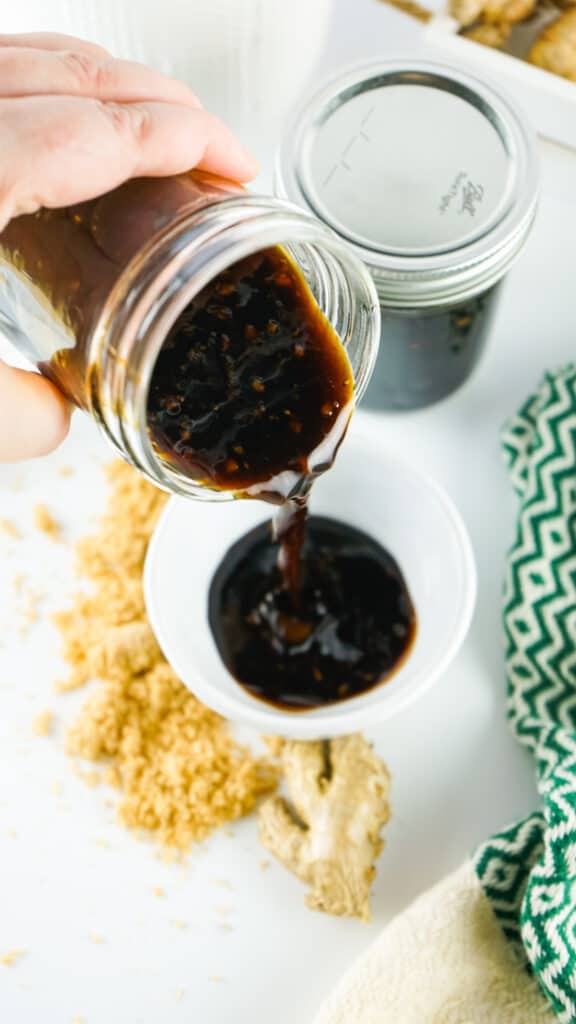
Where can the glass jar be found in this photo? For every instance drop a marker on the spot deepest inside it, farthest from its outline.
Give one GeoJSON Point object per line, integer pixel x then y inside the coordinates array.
{"type": "Point", "coordinates": [430, 352]}
{"type": "Point", "coordinates": [431, 177]}
{"type": "Point", "coordinates": [90, 292]}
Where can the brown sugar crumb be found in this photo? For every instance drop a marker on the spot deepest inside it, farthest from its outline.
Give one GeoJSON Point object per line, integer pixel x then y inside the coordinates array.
{"type": "Point", "coordinates": [28, 611]}
{"type": "Point", "coordinates": [45, 522]}
{"type": "Point", "coordinates": [11, 957]}
{"type": "Point", "coordinates": [275, 745]}
{"type": "Point", "coordinates": [43, 723]}
{"type": "Point", "coordinates": [111, 776]}
{"type": "Point", "coordinates": [216, 978]}
{"type": "Point", "coordinates": [159, 892]}
{"type": "Point", "coordinates": [181, 925]}
{"type": "Point", "coordinates": [66, 471]}
{"type": "Point", "coordinates": [18, 582]}
{"type": "Point", "coordinates": [179, 772]}
{"type": "Point", "coordinates": [9, 529]}
{"type": "Point", "coordinates": [168, 855]}
{"type": "Point", "coordinates": [264, 865]}
{"type": "Point", "coordinates": [92, 779]}
{"type": "Point", "coordinates": [97, 939]}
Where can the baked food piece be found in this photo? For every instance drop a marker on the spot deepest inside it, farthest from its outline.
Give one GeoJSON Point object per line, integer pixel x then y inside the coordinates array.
{"type": "Point", "coordinates": [498, 12]}
{"type": "Point", "coordinates": [488, 35]}
{"type": "Point", "coordinates": [555, 48]}
{"type": "Point", "coordinates": [466, 12]}
{"type": "Point", "coordinates": [494, 12]}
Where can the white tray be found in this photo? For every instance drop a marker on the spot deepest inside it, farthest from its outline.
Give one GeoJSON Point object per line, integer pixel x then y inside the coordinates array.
{"type": "Point", "coordinates": [548, 100]}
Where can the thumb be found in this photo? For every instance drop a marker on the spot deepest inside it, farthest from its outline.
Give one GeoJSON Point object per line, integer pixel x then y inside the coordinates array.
{"type": "Point", "coordinates": [34, 415]}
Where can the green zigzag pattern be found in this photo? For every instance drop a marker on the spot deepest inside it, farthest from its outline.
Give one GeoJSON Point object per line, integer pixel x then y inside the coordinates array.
{"type": "Point", "coordinates": [528, 871]}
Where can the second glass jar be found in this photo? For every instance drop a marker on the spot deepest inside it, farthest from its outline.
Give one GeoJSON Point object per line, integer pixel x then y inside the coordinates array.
{"type": "Point", "coordinates": [430, 176]}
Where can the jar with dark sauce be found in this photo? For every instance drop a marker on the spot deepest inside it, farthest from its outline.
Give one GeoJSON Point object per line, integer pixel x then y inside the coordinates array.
{"type": "Point", "coordinates": [431, 177]}
{"type": "Point", "coordinates": [219, 338]}
{"type": "Point", "coordinates": [429, 352]}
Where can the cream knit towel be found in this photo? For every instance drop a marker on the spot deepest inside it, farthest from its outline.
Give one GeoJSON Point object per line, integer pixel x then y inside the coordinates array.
{"type": "Point", "coordinates": [444, 960]}
{"type": "Point", "coordinates": [462, 953]}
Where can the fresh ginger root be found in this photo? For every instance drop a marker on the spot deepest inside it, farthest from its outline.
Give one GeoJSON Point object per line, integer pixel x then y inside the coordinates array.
{"type": "Point", "coordinates": [329, 833]}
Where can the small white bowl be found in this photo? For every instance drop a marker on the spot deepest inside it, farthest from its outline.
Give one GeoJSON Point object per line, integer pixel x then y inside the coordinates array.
{"type": "Point", "coordinates": [403, 509]}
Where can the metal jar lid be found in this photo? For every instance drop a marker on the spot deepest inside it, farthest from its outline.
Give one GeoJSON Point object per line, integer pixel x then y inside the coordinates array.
{"type": "Point", "coordinates": [428, 173]}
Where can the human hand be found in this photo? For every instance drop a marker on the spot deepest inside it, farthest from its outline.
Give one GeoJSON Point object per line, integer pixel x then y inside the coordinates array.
{"type": "Point", "coordinates": [74, 123]}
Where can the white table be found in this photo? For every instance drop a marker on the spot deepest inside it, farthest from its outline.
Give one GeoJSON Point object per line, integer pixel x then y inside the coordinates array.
{"type": "Point", "coordinates": [457, 773]}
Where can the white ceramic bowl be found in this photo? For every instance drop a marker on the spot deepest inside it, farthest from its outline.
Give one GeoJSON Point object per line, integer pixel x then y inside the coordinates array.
{"type": "Point", "coordinates": [407, 512]}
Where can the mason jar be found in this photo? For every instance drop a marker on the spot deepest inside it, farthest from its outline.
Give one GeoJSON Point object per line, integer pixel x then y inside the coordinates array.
{"type": "Point", "coordinates": [89, 293]}
{"type": "Point", "coordinates": [431, 177]}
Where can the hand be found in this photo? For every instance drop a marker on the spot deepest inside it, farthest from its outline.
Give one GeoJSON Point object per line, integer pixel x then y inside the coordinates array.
{"type": "Point", "coordinates": [74, 123]}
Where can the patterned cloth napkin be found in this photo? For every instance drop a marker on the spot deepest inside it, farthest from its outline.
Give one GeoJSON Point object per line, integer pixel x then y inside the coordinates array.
{"type": "Point", "coordinates": [529, 871]}
{"type": "Point", "coordinates": [444, 960]}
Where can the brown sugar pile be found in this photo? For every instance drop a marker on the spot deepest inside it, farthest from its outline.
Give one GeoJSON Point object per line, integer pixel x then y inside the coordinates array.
{"type": "Point", "coordinates": [179, 771]}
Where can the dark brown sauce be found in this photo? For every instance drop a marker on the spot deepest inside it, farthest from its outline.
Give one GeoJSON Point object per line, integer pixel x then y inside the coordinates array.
{"type": "Point", "coordinates": [252, 392]}
{"type": "Point", "coordinates": [350, 624]}
{"type": "Point", "coordinates": [251, 380]}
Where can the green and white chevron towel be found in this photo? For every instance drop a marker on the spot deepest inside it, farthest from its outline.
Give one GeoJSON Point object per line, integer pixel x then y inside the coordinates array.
{"type": "Point", "coordinates": [444, 960]}
{"type": "Point", "coordinates": [529, 871]}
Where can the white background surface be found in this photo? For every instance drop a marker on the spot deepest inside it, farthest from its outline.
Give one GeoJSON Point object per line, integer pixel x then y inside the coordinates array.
{"type": "Point", "coordinates": [457, 774]}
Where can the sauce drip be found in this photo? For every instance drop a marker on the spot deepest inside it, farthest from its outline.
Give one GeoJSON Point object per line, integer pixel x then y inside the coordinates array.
{"type": "Point", "coordinates": [349, 627]}
{"type": "Point", "coordinates": [252, 392]}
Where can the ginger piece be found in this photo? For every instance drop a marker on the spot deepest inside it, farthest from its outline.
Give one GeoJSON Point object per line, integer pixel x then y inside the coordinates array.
{"type": "Point", "coordinates": [555, 48]}
{"type": "Point", "coordinates": [329, 833]}
{"type": "Point", "coordinates": [493, 36]}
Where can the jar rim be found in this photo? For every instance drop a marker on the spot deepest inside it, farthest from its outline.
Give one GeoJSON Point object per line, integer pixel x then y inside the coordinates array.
{"type": "Point", "coordinates": [431, 276]}
{"type": "Point", "coordinates": [160, 282]}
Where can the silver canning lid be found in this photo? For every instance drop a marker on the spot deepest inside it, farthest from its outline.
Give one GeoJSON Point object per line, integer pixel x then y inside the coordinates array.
{"type": "Point", "coordinates": [429, 174]}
